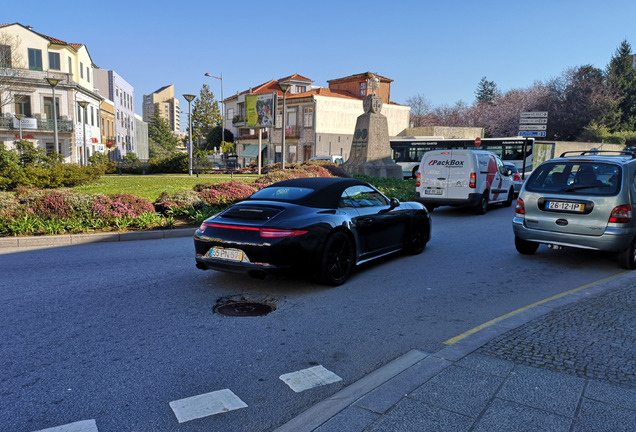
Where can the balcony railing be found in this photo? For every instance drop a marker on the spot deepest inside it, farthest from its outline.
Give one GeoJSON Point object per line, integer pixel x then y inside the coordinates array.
{"type": "Point", "coordinates": [292, 131]}
{"type": "Point", "coordinates": [42, 125]}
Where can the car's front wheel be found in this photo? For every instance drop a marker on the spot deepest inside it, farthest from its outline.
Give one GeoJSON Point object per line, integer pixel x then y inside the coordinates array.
{"type": "Point", "coordinates": [337, 260]}
{"type": "Point", "coordinates": [627, 257]}
{"type": "Point", "coordinates": [418, 235]}
{"type": "Point", "coordinates": [526, 247]}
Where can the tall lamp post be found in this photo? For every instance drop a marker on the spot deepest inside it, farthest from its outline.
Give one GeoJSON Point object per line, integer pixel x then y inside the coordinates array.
{"type": "Point", "coordinates": [285, 89]}
{"type": "Point", "coordinates": [84, 104]}
{"type": "Point", "coordinates": [189, 98]}
{"type": "Point", "coordinates": [20, 117]}
{"type": "Point", "coordinates": [222, 105]}
{"type": "Point", "coordinates": [53, 82]}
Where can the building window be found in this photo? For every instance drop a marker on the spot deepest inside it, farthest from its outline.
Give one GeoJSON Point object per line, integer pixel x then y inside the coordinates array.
{"type": "Point", "coordinates": [88, 74]}
{"type": "Point", "coordinates": [81, 70]}
{"type": "Point", "coordinates": [23, 105]}
{"type": "Point", "coordinates": [229, 114]}
{"type": "Point", "coordinates": [92, 116]}
{"type": "Point", "coordinates": [54, 61]}
{"type": "Point", "coordinates": [279, 118]}
{"type": "Point", "coordinates": [48, 107]}
{"type": "Point", "coordinates": [301, 89]}
{"type": "Point", "coordinates": [363, 88]}
{"type": "Point", "coordinates": [5, 56]}
{"type": "Point", "coordinates": [35, 59]}
{"type": "Point", "coordinates": [309, 117]}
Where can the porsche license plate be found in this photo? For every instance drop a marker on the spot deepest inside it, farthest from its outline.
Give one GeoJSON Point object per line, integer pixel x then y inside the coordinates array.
{"type": "Point", "coordinates": [564, 205]}
{"type": "Point", "coordinates": [227, 254]}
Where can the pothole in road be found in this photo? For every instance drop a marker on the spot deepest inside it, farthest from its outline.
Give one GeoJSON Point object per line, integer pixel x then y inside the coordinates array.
{"type": "Point", "coordinates": [243, 308]}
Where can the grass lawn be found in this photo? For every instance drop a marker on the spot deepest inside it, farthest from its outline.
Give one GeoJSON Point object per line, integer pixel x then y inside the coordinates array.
{"type": "Point", "coordinates": [151, 186]}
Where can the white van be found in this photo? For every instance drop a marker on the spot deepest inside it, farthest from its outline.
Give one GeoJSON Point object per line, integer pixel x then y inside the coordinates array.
{"type": "Point", "coordinates": [466, 178]}
{"type": "Point", "coordinates": [337, 159]}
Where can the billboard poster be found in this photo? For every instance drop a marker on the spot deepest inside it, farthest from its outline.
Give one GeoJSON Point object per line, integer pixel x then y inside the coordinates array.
{"type": "Point", "coordinates": [260, 110]}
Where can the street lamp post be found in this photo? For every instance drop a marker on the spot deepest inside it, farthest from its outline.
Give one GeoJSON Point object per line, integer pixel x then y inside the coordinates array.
{"type": "Point", "coordinates": [84, 104]}
{"type": "Point", "coordinates": [20, 117]}
{"type": "Point", "coordinates": [222, 106]}
{"type": "Point", "coordinates": [53, 82]}
{"type": "Point", "coordinates": [285, 89]}
{"type": "Point", "coordinates": [189, 98]}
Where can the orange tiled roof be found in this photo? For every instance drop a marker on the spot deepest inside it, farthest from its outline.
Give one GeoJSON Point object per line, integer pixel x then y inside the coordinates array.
{"type": "Point", "coordinates": [364, 75]}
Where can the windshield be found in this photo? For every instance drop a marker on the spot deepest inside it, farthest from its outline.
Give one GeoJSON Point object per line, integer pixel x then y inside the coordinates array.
{"type": "Point", "coordinates": [576, 178]}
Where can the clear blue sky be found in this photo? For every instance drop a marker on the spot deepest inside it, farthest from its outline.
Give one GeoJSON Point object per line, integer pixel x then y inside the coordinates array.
{"type": "Point", "coordinates": [439, 49]}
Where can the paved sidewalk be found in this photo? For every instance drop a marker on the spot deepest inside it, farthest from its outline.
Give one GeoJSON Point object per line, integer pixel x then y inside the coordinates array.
{"type": "Point", "coordinates": [567, 364]}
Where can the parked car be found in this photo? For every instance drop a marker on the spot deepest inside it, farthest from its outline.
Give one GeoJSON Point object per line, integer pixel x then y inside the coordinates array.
{"type": "Point", "coordinates": [337, 159]}
{"type": "Point", "coordinates": [517, 182]}
{"type": "Point", "coordinates": [463, 178]}
{"type": "Point", "coordinates": [321, 226]}
{"type": "Point", "coordinates": [582, 200]}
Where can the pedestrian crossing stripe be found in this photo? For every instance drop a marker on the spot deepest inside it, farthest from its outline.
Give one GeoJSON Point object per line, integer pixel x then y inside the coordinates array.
{"type": "Point", "coordinates": [80, 426]}
{"type": "Point", "coordinates": [205, 405]}
{"type": "Point", "coordinates": [309, 378]}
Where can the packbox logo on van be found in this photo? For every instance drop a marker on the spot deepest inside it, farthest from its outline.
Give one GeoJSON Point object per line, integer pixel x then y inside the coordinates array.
{"type": "Point", "coordinates": [447, 162]}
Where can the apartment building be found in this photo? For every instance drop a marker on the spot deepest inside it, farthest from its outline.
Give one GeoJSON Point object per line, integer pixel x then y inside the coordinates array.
{"type": "Point", "coordinates": [42, 75]}
{"type": "Point", "coordinates": [111, 85]}
{"type": "Point", "coordinates": [318, 121]}
{"type": "Point", "coordinates": [164, 101]}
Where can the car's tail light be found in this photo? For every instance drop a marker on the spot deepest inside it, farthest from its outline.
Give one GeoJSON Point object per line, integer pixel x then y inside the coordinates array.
{"type": "Point", "coordinates": [418, 178]}
{"type": "Point", "coordinates": [278, 233]}
{"type": "Point", "coordinates": [621, 214]}
{"type": "Point", "coordinates": [473, 180]}
{"type": "Point", "coordinates": [517, 177]}
{"type": "Point", "coordinates": [520, 208]}
{"type": "Point", "coordinates": [264, 232]}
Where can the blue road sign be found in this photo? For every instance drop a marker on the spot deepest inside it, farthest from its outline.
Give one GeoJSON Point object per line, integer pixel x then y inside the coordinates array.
{"type": "Point", "coordinates": [531, 134]}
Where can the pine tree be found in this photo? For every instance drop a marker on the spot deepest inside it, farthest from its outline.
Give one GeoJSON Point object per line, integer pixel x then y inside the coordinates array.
{"type": "Point", "coordinates": [486, 91]}
{"type": "Point", "coordinates": [205, 114]}
{"type": "Point", "coordinates": [160, 134]}
{"type": "Point", "coordinates": [621, 78]}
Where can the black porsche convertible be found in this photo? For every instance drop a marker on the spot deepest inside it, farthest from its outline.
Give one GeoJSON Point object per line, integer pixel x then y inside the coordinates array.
{"type": "Point", "coordinates": [322, 226]}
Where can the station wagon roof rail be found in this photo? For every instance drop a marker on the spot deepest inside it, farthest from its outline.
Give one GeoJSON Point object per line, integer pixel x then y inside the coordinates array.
{"type": "Point", "coordinates": [631, 153]}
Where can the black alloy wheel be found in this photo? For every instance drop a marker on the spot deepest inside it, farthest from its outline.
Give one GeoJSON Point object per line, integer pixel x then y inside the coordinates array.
{"type": "Point", "coordinates": [418, 236]}
{"type": "Point", "coordinates": [337, 260]}
{"type": "Point", "coordinates": [627, 257]}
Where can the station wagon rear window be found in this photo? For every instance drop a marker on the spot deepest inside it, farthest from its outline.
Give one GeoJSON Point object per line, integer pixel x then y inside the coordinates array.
{"type": "Point", "coordinates": [576, 178]}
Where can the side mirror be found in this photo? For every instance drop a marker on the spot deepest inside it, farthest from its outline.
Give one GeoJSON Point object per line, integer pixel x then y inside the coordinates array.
{"type": "Point", "coordinates": [394, 203]}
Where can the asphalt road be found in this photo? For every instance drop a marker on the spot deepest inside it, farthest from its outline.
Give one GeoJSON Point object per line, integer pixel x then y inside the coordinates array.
{"type": "Point", "coordinates": [112, 333]}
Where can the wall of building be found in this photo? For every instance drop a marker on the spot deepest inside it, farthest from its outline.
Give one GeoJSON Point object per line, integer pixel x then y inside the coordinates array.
{"type": "Point", "coordinates": [141, 137]}
{"type": "Point", "coordinates": [447, 132]}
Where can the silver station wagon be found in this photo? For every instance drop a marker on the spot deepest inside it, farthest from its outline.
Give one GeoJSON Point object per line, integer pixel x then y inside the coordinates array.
{"type": "Point", "coordinates": [582, 200]}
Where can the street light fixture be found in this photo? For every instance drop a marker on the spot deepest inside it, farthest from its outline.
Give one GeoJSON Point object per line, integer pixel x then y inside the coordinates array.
{"type": "Point", "coordinates": [189, 98]}
{"type": "Point", "coordinates": [222, 105]}
{"type": "Point", "coordinates": [84, 104]}
{"type": "Point", "coordinates": [53, 82]}
{"type": "Point", "coordinates": [20, 117]}
{"type": "Point", "coordinates": [285, 89]}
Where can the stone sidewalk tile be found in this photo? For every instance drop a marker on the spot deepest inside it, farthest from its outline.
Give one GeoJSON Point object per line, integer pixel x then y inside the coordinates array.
{"type": "Point", "coordinates": [506, 416]}
{"type": "Point", "coordinates": [413, 415]}
{"type": "Point", "coordinates": [596, 416]}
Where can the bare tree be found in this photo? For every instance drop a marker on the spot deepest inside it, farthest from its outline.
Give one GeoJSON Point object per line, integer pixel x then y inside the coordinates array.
{"type": "Point", "coordinates": [11, 68]}
{"type": "Point", "coordinates": [420, 109]}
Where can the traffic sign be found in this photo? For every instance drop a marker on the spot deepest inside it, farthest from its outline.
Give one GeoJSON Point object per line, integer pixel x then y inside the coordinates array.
{"type": "Point", "coordinates": [535, 114]}
{"type": "Point", "coordinates": [477, 142]}
{"type": "Point", "coordinates": [533, 120]}
{"type": "Point", "coordinates": [532, 134]}
{"type": "Point", "coordinates": [533, 127]}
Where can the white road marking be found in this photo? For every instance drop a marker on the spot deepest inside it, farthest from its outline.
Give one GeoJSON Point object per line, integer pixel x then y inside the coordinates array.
{"type": "Point", "coordinates": [80, 426]}
{"type": "Point", "coordinates": [309, 378]}
{"type": "Point", "coordinates": [205, 405]}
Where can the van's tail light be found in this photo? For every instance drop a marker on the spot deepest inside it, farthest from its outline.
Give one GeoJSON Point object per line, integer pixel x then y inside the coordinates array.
{"type": "Point", "coordinates": [417, 181]}
{"type": "Point", "coordinates": [621, 214]}
{"type": "Point", "coordinates": [520, 208]}
{"type": "Point", "coordinates": [473, 180]}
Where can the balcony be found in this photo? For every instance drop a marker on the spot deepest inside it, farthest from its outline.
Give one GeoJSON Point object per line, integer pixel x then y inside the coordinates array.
{"type": "Point", "coordinates": [292, 131]}
{"type": "Point", "coordinates": [42, 125]}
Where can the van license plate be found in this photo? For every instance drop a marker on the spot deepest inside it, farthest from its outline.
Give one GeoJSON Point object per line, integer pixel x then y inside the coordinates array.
{"type": "Point", "coordinates": [432, 191]}
{"type": "Point", "coordinates": [227, 254]}
{"type": "Point", "coordinates": [563, 205]}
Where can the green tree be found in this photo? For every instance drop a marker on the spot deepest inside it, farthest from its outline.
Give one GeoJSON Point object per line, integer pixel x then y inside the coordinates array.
{"type": "Point", "coordinates": [213, 138]}
{"type": "Point", "coordinates": [161, 141]}
{"type": "Point", "coordinates": [486, 91]}
{"type": "Point", "coordinates": [205, 114]}
{"type": "Point", "coordinates": [621, 78]}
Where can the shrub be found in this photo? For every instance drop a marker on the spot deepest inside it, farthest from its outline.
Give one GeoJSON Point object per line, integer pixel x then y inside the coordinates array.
{"type": "Point", "coordinates": [227, 193]}
{"type": "Point", "coordinates": [177, 163]}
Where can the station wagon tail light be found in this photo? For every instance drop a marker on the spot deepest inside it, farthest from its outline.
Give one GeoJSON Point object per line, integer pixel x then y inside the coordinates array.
{"type": "Point", "coordinates": [264, 232]}
{"type": "Point", "coordinates": [519, 208]}
{"type": "Point", "coordinates": [621, 214]}
{"type": "Point", "coordinates": [473, 181]}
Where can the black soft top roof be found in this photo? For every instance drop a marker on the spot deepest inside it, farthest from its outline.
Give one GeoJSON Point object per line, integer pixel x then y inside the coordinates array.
{"type": "Point", "coordinates": [326, 190]}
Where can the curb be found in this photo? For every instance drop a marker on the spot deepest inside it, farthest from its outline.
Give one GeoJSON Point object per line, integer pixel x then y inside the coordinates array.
{"type": "Point", "coordinates": [75, 239]}
{"type": "Point", "coordinates": [384, 387]}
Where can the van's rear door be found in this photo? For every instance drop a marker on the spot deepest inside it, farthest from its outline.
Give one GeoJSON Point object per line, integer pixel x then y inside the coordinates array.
{"type": "Point", "coordinates": [434, 174]}
{"type": "Point", "coordinates": [459, 170]}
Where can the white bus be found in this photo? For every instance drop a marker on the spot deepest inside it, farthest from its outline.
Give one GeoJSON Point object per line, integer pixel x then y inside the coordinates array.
{"type": "Point", "coordinates": [408, 151]}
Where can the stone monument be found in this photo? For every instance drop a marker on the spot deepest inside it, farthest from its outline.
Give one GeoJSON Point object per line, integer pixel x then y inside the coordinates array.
{"type": "Point", "coordinates": [370, 149]}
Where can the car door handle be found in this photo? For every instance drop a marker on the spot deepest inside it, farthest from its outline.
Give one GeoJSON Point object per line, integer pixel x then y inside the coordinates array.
{"type": "Point", "coordinates": [365, 221]}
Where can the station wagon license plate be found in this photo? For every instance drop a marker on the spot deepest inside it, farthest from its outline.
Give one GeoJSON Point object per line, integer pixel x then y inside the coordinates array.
{"type": "Point", "coordinates": [227, 254]}
{"type": "Point", "coordinates": [433, 191]}
{"type": "Point", "coordinates": [564, 205]}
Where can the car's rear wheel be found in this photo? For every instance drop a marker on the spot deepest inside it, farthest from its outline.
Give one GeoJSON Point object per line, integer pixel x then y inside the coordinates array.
{"type": "Point", "coordinates": [627, 257]}
{"type": "Point", "coordinates": [337, 260]}
{"type": "Point", "coordinates": [526, 247]}
{"type": "Point", "coordinates": [418, 236]}
{"type": "Point", "coordinates": [482, 207]}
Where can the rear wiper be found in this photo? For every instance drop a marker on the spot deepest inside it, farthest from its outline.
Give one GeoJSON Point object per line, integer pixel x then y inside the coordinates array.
{"type": "Point", "coordinates": [575, 188]}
